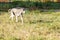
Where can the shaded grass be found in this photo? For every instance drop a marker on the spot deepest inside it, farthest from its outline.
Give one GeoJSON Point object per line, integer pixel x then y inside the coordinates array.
{"type": "Point", "coordinates": [37, 26]}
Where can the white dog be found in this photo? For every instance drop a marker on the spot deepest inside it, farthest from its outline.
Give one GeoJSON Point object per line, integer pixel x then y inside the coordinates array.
{"type": "Point", "coordinates": [17, 12]}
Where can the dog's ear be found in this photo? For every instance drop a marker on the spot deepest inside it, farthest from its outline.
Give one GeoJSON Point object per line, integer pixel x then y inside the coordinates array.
{"type": "Point", "coordinates": [23, 11]}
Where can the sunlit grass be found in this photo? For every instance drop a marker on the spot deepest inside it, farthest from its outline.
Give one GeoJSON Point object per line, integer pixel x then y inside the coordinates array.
{"type": "Point", "coordinates": [37, 26]}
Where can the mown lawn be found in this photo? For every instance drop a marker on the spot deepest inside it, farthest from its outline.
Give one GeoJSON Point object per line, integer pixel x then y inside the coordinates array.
{"type": "Point", "coordinates": [37, 26]}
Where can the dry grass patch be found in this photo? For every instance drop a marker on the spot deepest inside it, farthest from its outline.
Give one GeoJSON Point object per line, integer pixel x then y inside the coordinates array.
{"type": "Point", "coordinates": [37, 26]}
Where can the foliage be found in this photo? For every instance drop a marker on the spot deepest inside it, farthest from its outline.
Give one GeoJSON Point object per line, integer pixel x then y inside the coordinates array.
{"type": "Point", "coordinates": [30, 4]}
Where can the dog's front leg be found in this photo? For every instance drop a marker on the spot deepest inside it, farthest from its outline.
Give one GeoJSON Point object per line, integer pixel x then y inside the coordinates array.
{"type": "Point", "coordinates": [21, 18]}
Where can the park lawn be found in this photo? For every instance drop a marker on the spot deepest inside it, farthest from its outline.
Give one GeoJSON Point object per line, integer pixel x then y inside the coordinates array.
{"type": "Point", "coordinates": [37, 26]}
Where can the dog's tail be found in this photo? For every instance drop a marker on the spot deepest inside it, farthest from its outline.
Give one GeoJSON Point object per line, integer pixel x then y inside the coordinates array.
{"type": "Point", "coordinates": [9, 10]}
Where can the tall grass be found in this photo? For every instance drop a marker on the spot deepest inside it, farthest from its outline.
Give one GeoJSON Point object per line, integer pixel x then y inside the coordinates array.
{"type": "Point", "coordinates": [37, 26]}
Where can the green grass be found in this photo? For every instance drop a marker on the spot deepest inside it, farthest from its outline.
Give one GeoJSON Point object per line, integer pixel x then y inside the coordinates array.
{"type": "Point", "coordinates": [37, 26]}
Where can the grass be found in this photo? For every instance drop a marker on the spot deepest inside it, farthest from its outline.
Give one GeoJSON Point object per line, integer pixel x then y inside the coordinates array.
{"type": "Point", "coordinates": [37, 26]}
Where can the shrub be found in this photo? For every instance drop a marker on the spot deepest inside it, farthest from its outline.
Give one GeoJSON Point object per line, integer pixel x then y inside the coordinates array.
{"type": "Point", "coordinates": [30, 4]}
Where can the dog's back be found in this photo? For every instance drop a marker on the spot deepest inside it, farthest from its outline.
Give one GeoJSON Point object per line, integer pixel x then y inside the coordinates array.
{"type": "Point", "coordinates": [17, 10]}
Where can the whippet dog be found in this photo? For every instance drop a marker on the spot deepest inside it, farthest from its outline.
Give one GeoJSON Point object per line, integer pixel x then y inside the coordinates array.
{"type": "Point", "coordinates": [17, 12]}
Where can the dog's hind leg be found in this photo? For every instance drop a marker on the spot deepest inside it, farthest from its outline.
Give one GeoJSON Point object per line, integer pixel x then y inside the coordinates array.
{"type": "Point", "coordinates": [12, 15]}
{"type": "Point", "coordinates": [16, 18]}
